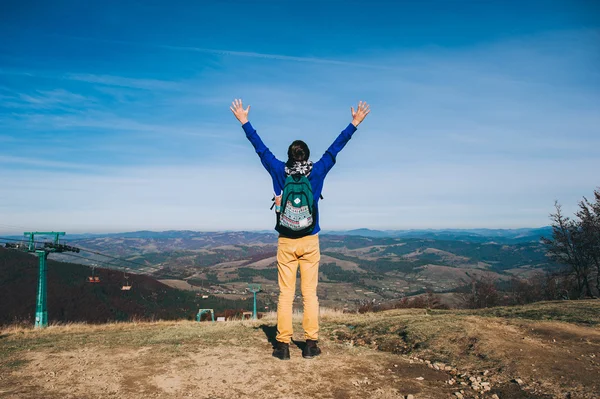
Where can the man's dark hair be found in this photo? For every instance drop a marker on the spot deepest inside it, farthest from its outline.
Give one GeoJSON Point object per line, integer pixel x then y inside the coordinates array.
{"type": "Point", "coordinates": [298, 151]}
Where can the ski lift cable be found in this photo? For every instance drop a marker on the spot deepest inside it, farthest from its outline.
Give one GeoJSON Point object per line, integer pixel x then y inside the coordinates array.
{"type": "Point", "coordinates": [145, 266]}
{"type": "Point", "coordinates": [114, 267]}
{"type": "Point", "coordinates": [114, 257]}
{"type": "Point", "coordinates": [90, 251]}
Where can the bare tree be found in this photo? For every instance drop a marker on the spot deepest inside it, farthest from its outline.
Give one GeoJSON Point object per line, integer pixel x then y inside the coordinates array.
{"type": "Point", "coordinates": [589, 217]}
{"type": "Point", "coordinates": [570, 246]}
{"type": "Point", "coordinates": [481, 293]}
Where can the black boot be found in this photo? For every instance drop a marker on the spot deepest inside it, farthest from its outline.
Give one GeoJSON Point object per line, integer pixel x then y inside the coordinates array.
{"type": "Point", "coordinates": [282, 351]}
{"type": "Point", "coordinates": [311, 349]}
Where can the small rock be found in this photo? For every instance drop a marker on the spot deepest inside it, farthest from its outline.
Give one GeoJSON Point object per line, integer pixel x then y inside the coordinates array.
{"type": "Point", "coordinates": [435, 366]}
{"type": "Point", "coordinates": [494, 396]}
{"type": "Point", "coordinates": [486, 372]}
{"type": "Point", "coordinates": [395, 365]}
{"type": "Point", "coordinates": [472, 379]}
{"type": "Point", "coordinates": [448, 368]}
{"type": "Point", "coordinates": [419, 378]}
{"type": "Point", "coordinates": [458, 395]}
{"type": "Point", "coordinates": [463, 383]}
{"type": "Point", "coordinates": [518, 381]}
{"type": "Point", "coordinates": [410, 397]}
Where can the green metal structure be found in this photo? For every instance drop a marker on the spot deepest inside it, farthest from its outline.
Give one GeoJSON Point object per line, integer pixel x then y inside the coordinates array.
{"type": "Point", "coordinates": [254, 288]}
{"type": "Point", "coordinates": [202, 311]}
{"type": "Point", "coordinates": [41, 311]}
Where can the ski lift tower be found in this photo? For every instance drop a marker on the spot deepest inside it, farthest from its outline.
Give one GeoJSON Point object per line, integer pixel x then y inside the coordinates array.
{"type": "Point", "coordinates": [254, 288]}
{"type": "Point", "coordinates": [41, 311]}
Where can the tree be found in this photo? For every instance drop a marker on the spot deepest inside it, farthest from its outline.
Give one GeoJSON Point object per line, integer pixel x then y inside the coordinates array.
{"type": "Point", "coordinates": [481, 293]}
{"type": "Point", "coordinates": [575, 243]}
{"type": "Point", "coordinates": [589, 216]}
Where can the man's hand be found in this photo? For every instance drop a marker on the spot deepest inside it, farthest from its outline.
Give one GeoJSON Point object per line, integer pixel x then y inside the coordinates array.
{"type": "Point", "coordinates": [240, 113]}
{"type": "Point", "coordinates": [361, 112]}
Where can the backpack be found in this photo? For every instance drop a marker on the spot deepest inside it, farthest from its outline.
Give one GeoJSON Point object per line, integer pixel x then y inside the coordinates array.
{"type": "Point", "coordinates": [297, 215]}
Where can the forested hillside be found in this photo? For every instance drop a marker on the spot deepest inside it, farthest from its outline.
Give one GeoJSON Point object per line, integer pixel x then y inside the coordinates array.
{"type": "Point", "coordinates": [71, 298]}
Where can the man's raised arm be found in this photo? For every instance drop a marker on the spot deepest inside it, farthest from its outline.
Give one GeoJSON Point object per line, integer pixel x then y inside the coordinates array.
{"type": "Point", "coordinates": [266, 156]}
{"type": "Point", "coordinates": [328, 159]}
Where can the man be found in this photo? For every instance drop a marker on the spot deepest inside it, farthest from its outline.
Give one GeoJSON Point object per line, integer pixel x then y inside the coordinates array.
{"type": "Point", "coordinates": [294, 251]}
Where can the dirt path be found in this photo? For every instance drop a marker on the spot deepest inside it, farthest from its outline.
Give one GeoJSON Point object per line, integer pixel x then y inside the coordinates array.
{"type": "Point", "coordinates": [234, 363]}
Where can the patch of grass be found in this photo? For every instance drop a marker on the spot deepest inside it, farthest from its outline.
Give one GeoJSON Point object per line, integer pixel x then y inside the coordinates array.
{"type": "Point", "coordinates": [14, 364]}
{"type": "Point", "coordinates": [580, 312]}
{"type": "Point", "coordinates": [403, 332]}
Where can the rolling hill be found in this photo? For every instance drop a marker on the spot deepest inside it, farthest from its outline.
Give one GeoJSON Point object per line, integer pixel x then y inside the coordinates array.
{"type": "Point", "coordinates": [71, 298]}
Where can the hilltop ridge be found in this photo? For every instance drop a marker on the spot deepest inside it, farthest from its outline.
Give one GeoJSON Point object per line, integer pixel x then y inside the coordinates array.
{"type": "Point", "coordinates": [533, 352]}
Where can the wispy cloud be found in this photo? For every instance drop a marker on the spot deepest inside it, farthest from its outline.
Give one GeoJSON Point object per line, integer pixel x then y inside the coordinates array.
{"type": "Point", "coordinates": [278, 57]}
{"type": "Point", "coordinates": [120, 81]}
{"type": "Point", "coordinates": [37, 162]}
{"type": "Point", "coordinates": [226, 52]}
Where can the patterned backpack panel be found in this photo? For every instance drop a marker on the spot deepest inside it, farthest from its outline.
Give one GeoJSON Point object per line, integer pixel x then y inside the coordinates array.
{"type": "Point", "coordinates": [297, 214]}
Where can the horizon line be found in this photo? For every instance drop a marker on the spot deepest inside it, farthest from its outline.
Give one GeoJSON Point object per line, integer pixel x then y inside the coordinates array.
{"type": "Point", "coordinates": [323, 231]}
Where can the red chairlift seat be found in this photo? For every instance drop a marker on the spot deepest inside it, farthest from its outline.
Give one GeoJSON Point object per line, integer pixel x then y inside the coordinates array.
{"type": "Point", "coordinates": [93, 278]}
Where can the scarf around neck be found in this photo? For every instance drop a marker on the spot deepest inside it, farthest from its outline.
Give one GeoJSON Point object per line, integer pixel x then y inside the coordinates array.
{"type": "Point", "coordinates": [299, 168]}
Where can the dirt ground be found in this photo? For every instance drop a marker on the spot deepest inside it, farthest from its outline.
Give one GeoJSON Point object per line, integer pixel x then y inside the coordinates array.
{"type": "Point", "coordinates": [201, 367]}
{"type": "Point", "coordinates": [233, 359]}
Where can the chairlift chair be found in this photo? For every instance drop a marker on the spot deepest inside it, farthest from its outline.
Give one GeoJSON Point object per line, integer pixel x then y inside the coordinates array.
{"type": "Point", "coordinates": [93, 278]}
{"type": "Point", "coordinates": [126, 286]}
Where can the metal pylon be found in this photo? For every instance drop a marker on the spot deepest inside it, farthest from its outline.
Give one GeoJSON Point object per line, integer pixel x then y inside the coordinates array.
{"type": "Point", "coordinates": [41, 310]}
{"type": "Point", "coordinates": [254, 288]}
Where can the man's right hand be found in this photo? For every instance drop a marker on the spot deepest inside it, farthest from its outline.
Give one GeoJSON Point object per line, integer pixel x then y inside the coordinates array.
{"type": "Point", "coordinates": [361, 112]}
{"type": "Point", "coordinates": [238, 110]}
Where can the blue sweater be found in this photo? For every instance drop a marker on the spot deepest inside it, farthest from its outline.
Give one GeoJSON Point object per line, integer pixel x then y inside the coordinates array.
{"type": "Point", "coordinates": [276, 168]}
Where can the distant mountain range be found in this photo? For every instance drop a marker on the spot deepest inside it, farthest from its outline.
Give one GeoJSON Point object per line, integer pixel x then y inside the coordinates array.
{"type": "Point", "coordinates": [471, 235]}
{"type": "Point", "coordinates": [229, 237]}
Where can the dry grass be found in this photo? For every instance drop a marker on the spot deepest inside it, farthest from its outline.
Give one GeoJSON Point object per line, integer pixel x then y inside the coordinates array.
{"type": "Point", "coordinates": [539, 343]}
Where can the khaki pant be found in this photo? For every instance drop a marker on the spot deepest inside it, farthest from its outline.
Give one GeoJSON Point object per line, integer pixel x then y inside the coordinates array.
{"type": "Point", "coordinates": [291, 253]}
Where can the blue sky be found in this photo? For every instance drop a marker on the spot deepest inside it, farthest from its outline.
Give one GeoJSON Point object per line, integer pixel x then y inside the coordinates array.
{"type": "Point", "coordinates": [114, 116]}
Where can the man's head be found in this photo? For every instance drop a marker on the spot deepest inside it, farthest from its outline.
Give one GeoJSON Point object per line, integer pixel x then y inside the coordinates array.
{"type": "Point", "coordinates": [298, 151]}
